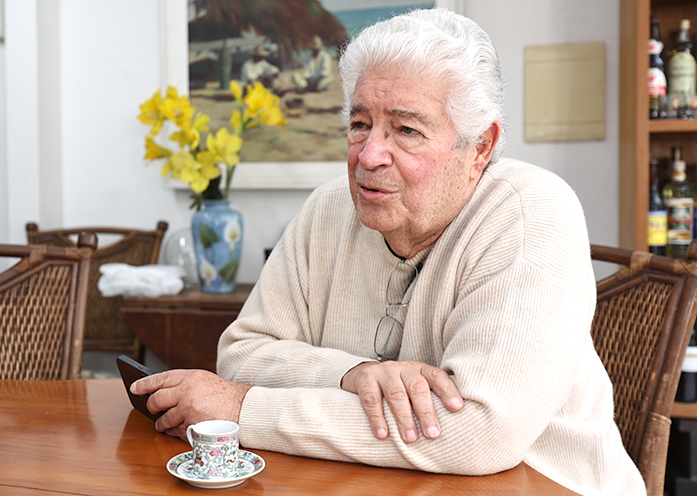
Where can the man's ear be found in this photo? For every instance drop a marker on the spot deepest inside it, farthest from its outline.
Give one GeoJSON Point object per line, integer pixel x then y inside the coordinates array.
{"type": "Point", "coordinates": [486, 145]}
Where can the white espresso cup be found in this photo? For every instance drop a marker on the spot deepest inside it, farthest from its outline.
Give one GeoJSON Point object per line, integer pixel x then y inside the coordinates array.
{"type": "Point", "coordinates": [215, 444]}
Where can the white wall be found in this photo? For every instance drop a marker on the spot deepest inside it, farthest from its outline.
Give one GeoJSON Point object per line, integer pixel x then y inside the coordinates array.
{"type": "Point", "coordinates": [4, 204]}
{"type": "Point", "coordinates": [590, 167]}
{"type": "Point", "coordinates": [82, 165]}
{"type": "Point", "coordinates": [75, 71]}
{"type": "Point", "coordinates": [21, 118]}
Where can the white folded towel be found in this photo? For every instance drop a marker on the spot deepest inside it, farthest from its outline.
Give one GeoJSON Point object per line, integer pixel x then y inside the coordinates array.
{"type": "Point", "coordinates": [145, 280]}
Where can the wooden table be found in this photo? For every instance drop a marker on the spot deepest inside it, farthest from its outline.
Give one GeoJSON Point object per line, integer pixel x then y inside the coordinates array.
{"type": "Point", "coordinates": [83, 438]}
{"type": "Point", "coordinates": [183, 330]}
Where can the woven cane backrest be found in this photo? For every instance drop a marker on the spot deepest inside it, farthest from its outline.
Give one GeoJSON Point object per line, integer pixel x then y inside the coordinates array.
{"type": "Point", "coordinates": [643, 319]}
{"type": "Point", "coordinates": [43, 300]}
{"type": "Point", "coordinates": [106, 328]}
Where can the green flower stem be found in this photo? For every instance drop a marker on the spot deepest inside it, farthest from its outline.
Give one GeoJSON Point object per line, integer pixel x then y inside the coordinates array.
{"type": "Point", "coordinates": [230, 170]}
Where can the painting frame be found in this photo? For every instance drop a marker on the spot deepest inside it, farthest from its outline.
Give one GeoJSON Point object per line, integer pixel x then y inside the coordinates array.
{"type": "Point", "coordinates": [255, 175]}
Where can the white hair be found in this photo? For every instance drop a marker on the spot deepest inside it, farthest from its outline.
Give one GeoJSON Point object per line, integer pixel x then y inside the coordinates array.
{"type": "Point", "coordinates": [440, 46]}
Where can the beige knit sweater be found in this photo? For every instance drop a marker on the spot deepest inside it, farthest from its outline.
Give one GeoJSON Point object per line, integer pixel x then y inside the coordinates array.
{"type": "Point", "coordinates": [503, 303]}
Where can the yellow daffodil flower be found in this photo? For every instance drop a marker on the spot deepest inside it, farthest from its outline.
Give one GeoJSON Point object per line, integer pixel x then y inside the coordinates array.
{"type": "Point", "coordinates": [183, 138]}
{"type": "Point", "coordinates": [191, 134]}
{"type": "Point", "coordinates": [178, 110]}
{"type": "Point", "coordinates": [172, 92]}
{"type": "Point", "coordinates": [258, 97]}
{"type": "Point", "coordinates": [177, 163]}
{"type": "Point", "coordinates": [209, 166]}
{"type": "Point", "coordinates": [153, 151]}
{"type": "Point", "coordinates": [236, 122]}
{"type": "Point", "coordinates": [262, 106]}
{"type": "Point", "coordinates": [197, 171]}
{"type": "Point", "coordinates": [201, 122]}
{"type": "Point", "coordinates": [272, 116]}
{"type": "Point", "coordinates": [236, 89]}
{"type": "Point", "coordinates": [151, 113]}
{"type": "Point", "coordinates": [198, 167]}
{"type": "Point", "coordinates": [225, 146]}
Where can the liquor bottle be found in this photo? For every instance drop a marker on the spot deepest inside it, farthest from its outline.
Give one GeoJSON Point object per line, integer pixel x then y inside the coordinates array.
{"type": "Point", "coordinates": [691, 180]}
{"type": "Point", "coordinates": [658, 219]}
{"type": "Point", "coordinates": [679, 203]}
{"type": "Point", "coordinates": [681, 73]}
{"type": "Point", "coordinates": [687, 386]}
{"type": "Point", "coordinates": [657, 75]}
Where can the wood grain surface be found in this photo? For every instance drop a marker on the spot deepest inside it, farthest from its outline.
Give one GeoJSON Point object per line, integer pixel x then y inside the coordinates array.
{"type": "Point", "coordinates": [83, 438]}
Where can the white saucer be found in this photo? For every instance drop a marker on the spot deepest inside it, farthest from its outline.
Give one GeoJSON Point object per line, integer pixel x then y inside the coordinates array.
{"type": "Point", "coordinates": [248, 465]}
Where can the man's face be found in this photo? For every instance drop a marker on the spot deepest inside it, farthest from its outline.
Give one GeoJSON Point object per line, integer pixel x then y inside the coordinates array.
{"type": "Point", "coordinates": [407, 178]}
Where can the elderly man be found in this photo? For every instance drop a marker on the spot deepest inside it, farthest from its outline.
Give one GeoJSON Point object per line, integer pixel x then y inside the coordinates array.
{"type": "Point", "coordinates": [472, 273]}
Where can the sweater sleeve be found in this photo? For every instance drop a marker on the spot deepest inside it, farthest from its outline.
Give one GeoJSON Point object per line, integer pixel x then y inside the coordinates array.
{"type": "Point", "coordinates": [507, 309]}
{"type": "Point", "coordinates": [275, 341]}
{"type": "Point", "coordinates": [506, 382]}
{"type": "Point", "coordinates": [513, 342]}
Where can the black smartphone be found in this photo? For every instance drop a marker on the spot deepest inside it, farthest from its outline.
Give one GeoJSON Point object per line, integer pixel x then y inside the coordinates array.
{"type": "Point", "coordinates": [131, 371]}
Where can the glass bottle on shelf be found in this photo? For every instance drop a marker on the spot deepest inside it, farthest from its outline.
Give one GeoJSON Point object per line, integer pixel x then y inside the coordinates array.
{"type": "Point", "coordinates": [658, 218]}
{"type": "Point", "coordinates": [691, 181]}
{"type": "Point", "coordinates": [679, 203]}
{"type": "Point", "coordinates": [681, 73]}
{"type": "Point", "coordinates": [687, 387]}
{"type": "Point", "coordinates": [657, 76]}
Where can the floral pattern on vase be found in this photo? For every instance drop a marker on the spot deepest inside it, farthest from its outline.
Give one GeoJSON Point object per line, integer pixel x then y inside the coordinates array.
{"type": "Point", "coordinates": [217, 232]}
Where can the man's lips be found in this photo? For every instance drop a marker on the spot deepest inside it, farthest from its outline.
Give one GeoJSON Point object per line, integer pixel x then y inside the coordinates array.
{"type": "Point", "coordinates": [372, 193]}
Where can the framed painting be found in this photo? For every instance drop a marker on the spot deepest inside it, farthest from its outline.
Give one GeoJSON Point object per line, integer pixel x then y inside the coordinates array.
{"type": "Point", "coordinates": [292, 48]}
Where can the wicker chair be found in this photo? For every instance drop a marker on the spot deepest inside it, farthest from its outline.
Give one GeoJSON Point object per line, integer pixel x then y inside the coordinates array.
{"type": "Point", "coordinates": [106, 329]}
{"type": "Point", "coordinates": [644, 316]}
{"type": "Point", "coordinates": [43, 300]}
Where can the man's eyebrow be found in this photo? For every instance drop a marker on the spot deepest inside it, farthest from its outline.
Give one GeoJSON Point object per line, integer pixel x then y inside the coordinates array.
{"type": "Point", "coordinates": [357, 109]}
{"type": "Point", "coordinates": [410, 114]}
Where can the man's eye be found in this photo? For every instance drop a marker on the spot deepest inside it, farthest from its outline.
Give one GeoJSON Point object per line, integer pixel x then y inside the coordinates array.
{"type": "Point", "coordinates": [409, 131]}
{"type": "Point", "coordinates": [358, 125]}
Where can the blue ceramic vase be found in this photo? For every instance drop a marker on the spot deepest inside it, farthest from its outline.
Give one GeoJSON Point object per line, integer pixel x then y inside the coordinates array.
{"type": "Point", "coordinates": [217, 231]}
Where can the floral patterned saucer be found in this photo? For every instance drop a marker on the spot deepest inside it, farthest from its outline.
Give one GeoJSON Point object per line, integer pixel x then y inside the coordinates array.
{"type": "Point", "coordinates": [248, 465]}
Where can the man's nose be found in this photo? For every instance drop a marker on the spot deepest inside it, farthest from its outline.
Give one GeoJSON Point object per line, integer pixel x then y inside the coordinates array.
{"type": "Point", "coordinates": [377, 150]}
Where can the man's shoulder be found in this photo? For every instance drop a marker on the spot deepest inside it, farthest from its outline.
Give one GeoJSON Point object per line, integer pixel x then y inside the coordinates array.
{"type": "Point", "coordinates": [333, 188]}
{"type": "Point", "coordinates": [526, 179]}
{"type": "Point", "coordinates": [514, 169]}
{"type": "Point", "coordinates": [329, 197]}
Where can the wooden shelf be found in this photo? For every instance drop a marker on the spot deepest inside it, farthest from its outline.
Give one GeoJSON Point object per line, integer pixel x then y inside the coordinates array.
{"type": "Point", "coordinates": [684, 410]}
{"type": "Point", "coordinates": [673, 126]}
{"type": "Point", "coordinates": [642, 139]}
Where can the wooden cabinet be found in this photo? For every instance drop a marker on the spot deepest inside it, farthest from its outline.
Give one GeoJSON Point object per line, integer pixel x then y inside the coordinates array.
{"type": "Point", "coordinates": [642, 139]}
{"type": "Point", "coordinates": [183, 330]}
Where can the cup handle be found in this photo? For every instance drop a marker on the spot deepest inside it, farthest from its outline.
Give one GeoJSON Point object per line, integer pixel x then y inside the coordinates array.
{"type": "Point", "coordinates": [188, 434]}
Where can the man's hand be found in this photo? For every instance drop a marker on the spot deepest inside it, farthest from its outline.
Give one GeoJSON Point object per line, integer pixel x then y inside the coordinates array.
{"type": "Point", "coordinates": [190, 396]}
{"type": "Point", "coordinates": [405, 385]}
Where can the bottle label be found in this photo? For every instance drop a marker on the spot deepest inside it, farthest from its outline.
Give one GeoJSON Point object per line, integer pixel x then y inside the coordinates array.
{"type": "Point", "coordinates": [678, 176]}
{"type": "Point", "coordinates": [658, 228]}
{"type": "Point", "coordinates": [689, 363]}
{"type": "Point", "coordinates": [657, 82]}
{"type": "Point", "coordinates": [655, 47]}
{"type": "Point", "coordinates": [682, 77]}
{"type": "Point", "coordinates": [680, 212]}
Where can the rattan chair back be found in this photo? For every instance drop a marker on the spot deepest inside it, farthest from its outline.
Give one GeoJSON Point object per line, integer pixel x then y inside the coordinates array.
{"type": "Point", "coordinates": [643, 320]}
{"type": "Point", "coordinates": [106, 329]}
{"type": "Point", "coordinates": [43, 301]}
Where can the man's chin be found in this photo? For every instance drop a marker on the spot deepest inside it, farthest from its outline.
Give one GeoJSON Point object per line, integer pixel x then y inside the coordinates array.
{"type": "Point", "coordinates": [378, 221]}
